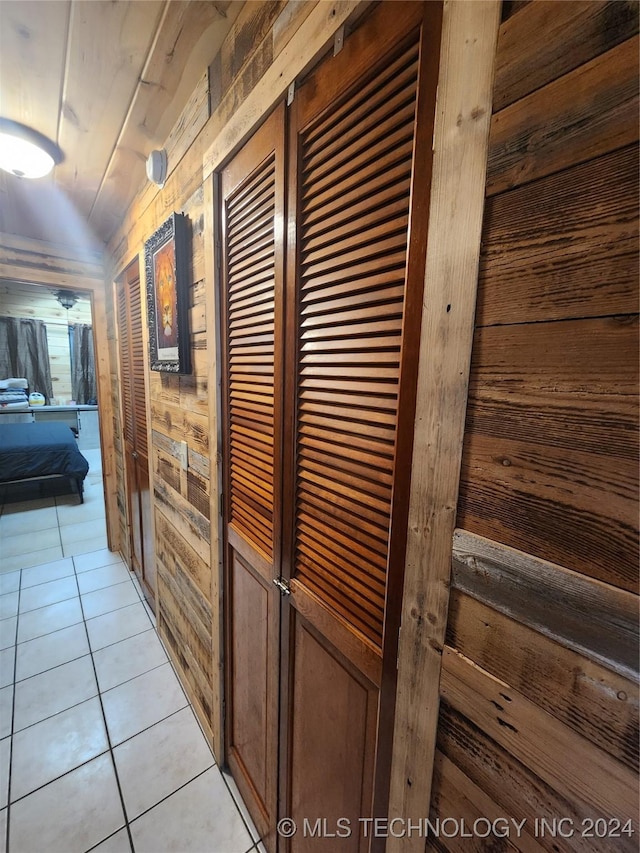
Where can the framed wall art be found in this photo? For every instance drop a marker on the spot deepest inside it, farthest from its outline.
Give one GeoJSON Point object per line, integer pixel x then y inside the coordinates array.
{"type": "Point", "coordinates": [166, 269]}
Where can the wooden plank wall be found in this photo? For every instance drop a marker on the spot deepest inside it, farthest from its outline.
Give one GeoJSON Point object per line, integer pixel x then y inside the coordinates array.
{"type": "Point", "coordinates": [18, 299]}
{"type": "Point", "coordinates": [183, 408]}
{"type": "Point", "coordinates": [539, 696]}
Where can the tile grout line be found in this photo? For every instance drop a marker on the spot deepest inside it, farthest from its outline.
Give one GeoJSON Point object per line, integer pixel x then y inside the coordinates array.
{"type": "Point", "coordinates": [104, 721]}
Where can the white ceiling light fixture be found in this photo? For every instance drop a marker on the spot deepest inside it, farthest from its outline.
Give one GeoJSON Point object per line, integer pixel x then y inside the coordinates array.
{"type": "Point", "coordinates": [25, 152]}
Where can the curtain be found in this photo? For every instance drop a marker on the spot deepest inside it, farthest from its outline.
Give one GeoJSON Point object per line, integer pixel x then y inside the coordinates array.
{"type": "Point", "coordinates": [24, 353]}
{"type": "Point", "coordinates": [83, 370]}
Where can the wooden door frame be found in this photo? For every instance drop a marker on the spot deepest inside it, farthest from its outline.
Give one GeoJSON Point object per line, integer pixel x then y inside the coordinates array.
{"type": "Point", "coordinates": [465, 90]}
{"type": "Point", "coordinates": [52, 265]}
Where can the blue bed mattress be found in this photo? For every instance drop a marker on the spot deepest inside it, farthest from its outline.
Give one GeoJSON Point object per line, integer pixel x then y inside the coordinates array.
{"type": "Point", "coordinates": [39, 450]}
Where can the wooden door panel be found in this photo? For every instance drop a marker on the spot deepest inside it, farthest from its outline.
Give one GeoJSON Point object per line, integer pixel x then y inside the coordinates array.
{"type": "Point", "coordinates": [253, 685]}
{"type": "Point", "coordinates": [332, 744]}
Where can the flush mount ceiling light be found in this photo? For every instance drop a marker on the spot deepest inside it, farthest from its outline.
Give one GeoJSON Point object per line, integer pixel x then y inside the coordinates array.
{"type": "Point", "coordinates": [66, 298]}
{"type": "Point", "coordinates": [26, 153]}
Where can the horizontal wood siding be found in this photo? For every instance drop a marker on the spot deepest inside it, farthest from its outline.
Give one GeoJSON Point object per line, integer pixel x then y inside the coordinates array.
{"type": "Point", "coordinates": [539, 696]}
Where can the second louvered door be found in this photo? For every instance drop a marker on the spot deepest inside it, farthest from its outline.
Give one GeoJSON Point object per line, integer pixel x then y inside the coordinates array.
{"type": "Point", "coordinates": [354, 288]}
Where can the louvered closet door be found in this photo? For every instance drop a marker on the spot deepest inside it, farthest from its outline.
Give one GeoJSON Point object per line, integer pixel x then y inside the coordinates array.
{"type": "Point", "coordinates": [353, 134]}
{"type": "Point", "coordinates": [132, 362]}
{"type": "Point", "coordinates": [252, 193]}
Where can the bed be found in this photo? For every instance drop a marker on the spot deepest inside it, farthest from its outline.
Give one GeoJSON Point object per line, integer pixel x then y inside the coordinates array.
{"type": "Point", "coordinates": [38, 451]}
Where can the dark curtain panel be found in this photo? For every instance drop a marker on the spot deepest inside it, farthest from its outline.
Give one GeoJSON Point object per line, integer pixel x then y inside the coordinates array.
{"type": "Point", "coordinates": [24, 353]}
{"type": "Point", "coordinates": [83, 370]}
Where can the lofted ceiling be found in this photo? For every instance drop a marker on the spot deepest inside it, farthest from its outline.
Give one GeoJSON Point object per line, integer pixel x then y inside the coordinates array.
{"type": "Point", "coordinates": [106, 80]}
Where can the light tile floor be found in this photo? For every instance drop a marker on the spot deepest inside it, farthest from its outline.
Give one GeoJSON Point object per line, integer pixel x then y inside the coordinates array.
{"type": "Point", "coordinates": [99, 747]}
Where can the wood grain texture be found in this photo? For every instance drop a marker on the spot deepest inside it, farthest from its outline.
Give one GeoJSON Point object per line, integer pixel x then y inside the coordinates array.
{"type": "Point", "coordinates": [593, 618]}
{"type": "Point", "coordinates": [460, 140]}
{"type": "Point", "coordinates": [314, 33]}
{"type": "Point", "coordinates": [563, 759]}
{"type": "Point", "coordinates": [549, 39]}
{"type": "Point", "coordinates": [332, 738]}
{"type": "Point", "coordinates": [536, 472]}
{"type": "Point", "coordinates": [454, 794]}
{"type": "Point", "coordinates": [107, 44]}
{"type": "Point", "coordinates": [520, 793]}
{"type": "Point", "coordinates": [188, 35]}
{"type": "Point", "coordinates": [589, 698]}
{"type": "Point", "coordinates": [584, 114]}
{"type": "Point", "coordinates": [564, 247]}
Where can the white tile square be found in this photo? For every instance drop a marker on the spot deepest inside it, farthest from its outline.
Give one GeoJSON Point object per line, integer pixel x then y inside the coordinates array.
{"type": "Point", "coordinates": [48, 572]}
{"type": "Point", "coordinates": [32, 558]}
{"type": "Point", "coordinates": [117, 843]}
{"type": "Point", "coordinates": [48, 593]}
{"type": "Point", "coordinates": [54, 746]}
{"type": "Point", "coordinates": [84, 546]}
{"type": "Point", "coordinates": [47, 652]}
{"type": "Point", "coordinates": [199, 817]}
{"type": "Point", "coordinates": [72, 513]}
{"type": "Point", "coordinates": [6, 710]}
{"type": "Point", "coordinates": [101, 578]}
{"type": "Point", "coordinates": [110, 598]}
{"type": "Point", "coordinates": [5, 756]}
{"type": "Point", "coordinates": [128, 658]}
{"type": "Point", "coordinates": [7, 661]}
{"type": "Point", "coordinates": [45, 620]}
{"type": "Point", "coordinates": [8, 605]}
{"type": "Point", "coordinates": [117, 625]}
{"type": "Point", "coordinates": [50, 692]}
{"type": "Point", "coordinates": [141, 702]}
{"type": "Point", "coordinates": [23, 543]}
{"type": "Point", "coordinates": [28, 521]}
{"type": "Point", "coordinates": [8, 632]}
{"type": "Point", "coordinates": [70, 815]}
{"type": "Point", "coordinates": [161, 759]}
{"type": "Point", "coordinates": [9, 582]}
{"type": "Point", "coordinates": [96, 560]}
{"type": "Point", "coordinates": [3, 830]}
{"type": "Point", "coordinates": [83, 530]}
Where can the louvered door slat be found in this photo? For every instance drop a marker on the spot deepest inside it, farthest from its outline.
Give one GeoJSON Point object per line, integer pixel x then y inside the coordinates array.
{"type": "Point", "coordinates": [138, 367]}
{"type": "Point", "coordinates": [126, 377]}
{"type": "Point", "coordinates": [381, 89]}
{"type": "Point", "coordinates": [353, 258]}
{"type": "Point", "coordinates": [250, 262]}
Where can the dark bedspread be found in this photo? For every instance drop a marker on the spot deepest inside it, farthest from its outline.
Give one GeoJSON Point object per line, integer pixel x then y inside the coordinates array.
{"type": "Point", "coordinates": [37, 450]}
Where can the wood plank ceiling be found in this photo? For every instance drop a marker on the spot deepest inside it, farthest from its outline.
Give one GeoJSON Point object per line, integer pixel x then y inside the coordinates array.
{"type": "Point", "coordinates": [107, 81]}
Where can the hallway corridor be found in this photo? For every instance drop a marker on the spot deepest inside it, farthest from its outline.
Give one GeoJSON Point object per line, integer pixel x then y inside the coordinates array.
{"type": "Point", "coordinates": [99, 747]}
